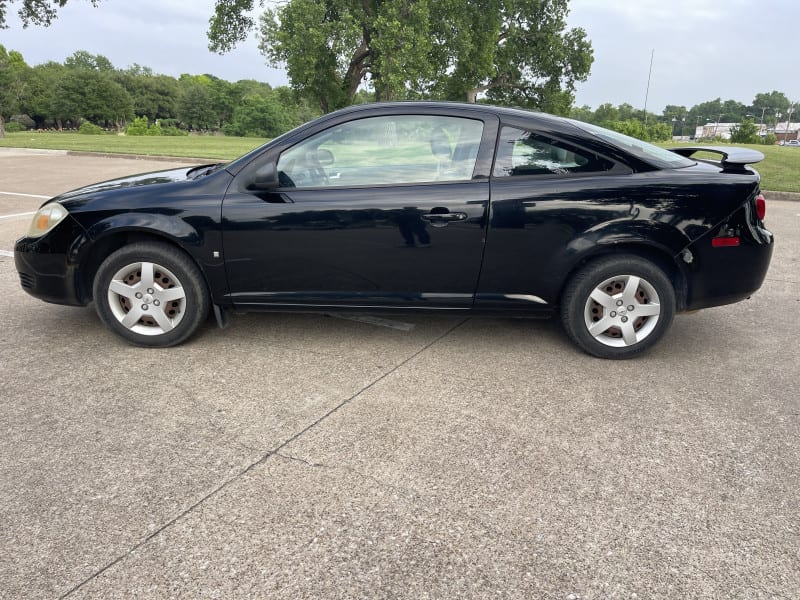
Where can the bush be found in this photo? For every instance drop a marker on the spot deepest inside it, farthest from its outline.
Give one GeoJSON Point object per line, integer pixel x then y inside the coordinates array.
{"type": "Point", "coordinates": [13, 127]}
{"type": "Point", "coordinates": [138, 127]}
{"type": "Point", "coordinates": [173, 131]}
{"type": "Point", "coordinates": [154, 129]}
{"type": "Point", "coordinates": [745, 132]}
{"type": "Point", "coordinates": [769, 140]}
{"type": "Point", "coordinates": [88, 128]}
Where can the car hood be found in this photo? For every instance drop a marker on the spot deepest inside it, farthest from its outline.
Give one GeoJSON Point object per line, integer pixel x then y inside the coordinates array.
{"type": "Point", "coordinates": [156, 178]}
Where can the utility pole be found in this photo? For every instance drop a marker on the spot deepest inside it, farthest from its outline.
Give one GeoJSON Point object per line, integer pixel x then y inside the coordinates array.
{"type": "Point", "coordinates": [647, 93]}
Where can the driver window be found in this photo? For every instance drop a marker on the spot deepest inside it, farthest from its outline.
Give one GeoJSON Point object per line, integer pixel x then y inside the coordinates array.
{"type": "Point", "coordinates": [391, 150]}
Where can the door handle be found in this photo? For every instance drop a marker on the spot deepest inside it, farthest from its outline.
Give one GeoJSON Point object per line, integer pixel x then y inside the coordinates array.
{"type": "Point", "coordinates": [432, 217]}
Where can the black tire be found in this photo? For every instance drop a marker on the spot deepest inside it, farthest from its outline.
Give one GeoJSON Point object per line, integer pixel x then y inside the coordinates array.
{"type": "Point", "coordinates": [607, 329]}
{"type": "Point", "coordinates": [171, 307]}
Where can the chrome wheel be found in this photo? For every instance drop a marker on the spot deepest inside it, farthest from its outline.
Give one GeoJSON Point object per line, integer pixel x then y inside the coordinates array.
{"type": "Point", "coordinates": [146, 298]}
{"type": "Point", "coordinates": [622, 311]}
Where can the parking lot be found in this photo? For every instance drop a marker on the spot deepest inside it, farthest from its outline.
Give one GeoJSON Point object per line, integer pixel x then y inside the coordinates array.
{"type": "Point", "coordinates": [295, 456]}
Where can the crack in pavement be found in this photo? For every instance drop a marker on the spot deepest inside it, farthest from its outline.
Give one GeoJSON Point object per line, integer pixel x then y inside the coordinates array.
{"type": "Point", "coordinates": [258, 462]}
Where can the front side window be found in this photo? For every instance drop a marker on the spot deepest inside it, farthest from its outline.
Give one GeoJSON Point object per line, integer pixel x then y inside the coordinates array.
{"type": "Point", "coordinates": [523, 152]}
{"type": "Point", "coordinates": [401, 149]}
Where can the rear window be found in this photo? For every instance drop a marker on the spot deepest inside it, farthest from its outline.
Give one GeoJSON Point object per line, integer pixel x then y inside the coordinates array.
{"type": "Point", "coordinates": [658, 157]}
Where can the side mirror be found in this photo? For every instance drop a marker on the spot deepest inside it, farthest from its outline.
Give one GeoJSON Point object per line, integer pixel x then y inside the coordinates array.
{"type": "Point", "coordinates": [265, 178]}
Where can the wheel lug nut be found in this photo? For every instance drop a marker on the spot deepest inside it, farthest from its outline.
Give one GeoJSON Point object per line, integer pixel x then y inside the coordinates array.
{"type": "Point", "coordinates": [624, 319]}
{"type": "Point", "coordinates": [156, 302]}
{"type": "Point", "coordinates": [145, 307]}
{"type": "Point", "coordinates": [630, 307]}
{"type": "Point", "coordinates": [139, 295]}
{"type": "Point", "coordinates": [613, 314]}
{"type": "Point", "coordinates": [149, 290]}
{"type": "Point", "coordinates": [619, 302]}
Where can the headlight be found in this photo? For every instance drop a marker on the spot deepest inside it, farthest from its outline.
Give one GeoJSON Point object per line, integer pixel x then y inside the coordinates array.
{"type": "Point", "coordinates": [46, 218]}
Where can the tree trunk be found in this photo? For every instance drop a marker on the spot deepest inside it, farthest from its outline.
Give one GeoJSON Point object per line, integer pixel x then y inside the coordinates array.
{"type": "Point", "coordinates": [2, 127]}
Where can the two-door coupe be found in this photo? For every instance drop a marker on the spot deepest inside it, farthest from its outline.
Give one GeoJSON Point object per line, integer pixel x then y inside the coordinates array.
{"type": "Point", "coordinates": [415, 207]}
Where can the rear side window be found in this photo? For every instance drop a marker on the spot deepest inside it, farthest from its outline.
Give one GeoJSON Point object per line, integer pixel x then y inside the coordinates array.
{"type": "Point", "coordinates": [522, 152]}
{"type": "Point", "coordinates": [658, 157]}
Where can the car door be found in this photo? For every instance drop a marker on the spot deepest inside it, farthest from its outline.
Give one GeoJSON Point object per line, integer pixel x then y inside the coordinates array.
{"type": "Point", "coordinates": [378, 210]}
{"type": "Point", "coordinates": [546, 193]}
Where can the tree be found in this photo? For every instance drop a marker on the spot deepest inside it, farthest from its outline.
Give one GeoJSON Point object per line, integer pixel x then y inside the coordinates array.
{"type": "Point", "coordinates": [45, 79]}
{"type": "Point", "coordinates": [154, 96]}
{"type": "Point", "coordinates": [194, 102]}
{"type": "Point", "coordinates": [514, 51]}
{"type": "Point", "coordinates": [518, 52]}
{"type": "Point", "coordinates": [34, 12]}
{"type": "Point", "coordinates": [89, 94]}
{"type": "Point", "coordinates": [259, 116]}
{"type": "Point", "coordinates": [14, 84]}
{"type": "Point", "coordinates": [768, 103]}
{"type": "Point", "coordinates": [81, 59]}
{"type": "Point", "coordinates": [606, 113]}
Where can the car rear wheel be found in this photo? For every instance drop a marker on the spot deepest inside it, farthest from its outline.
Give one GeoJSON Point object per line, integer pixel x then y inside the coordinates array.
{"type": "Point", "coordinates": [618, 306]}
{"type": "Point", "coordinates": [151, 294]}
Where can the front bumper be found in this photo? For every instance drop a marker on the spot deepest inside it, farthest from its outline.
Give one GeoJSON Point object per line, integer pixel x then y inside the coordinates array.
{"type": "Point", "coordinates": [48, 266]}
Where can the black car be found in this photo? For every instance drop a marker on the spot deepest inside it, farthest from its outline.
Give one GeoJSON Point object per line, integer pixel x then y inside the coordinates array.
{"type": "Point", "coordinates": [415, 207]}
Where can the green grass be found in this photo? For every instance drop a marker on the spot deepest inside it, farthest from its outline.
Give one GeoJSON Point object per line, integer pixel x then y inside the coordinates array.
{"type": "Point", "coordinates": [194, 146]}
{"type": "Point", "coordinates": [780, 169]}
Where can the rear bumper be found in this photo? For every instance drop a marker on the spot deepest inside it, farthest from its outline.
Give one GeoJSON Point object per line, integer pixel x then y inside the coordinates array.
{"type": "Point", "coordinates": [729, 274]}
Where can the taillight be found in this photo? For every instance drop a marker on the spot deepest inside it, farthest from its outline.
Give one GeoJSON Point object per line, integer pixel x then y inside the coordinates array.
{"type": "Point", "coordinates": [761, 207]}
{"type": "Point", "coordinates": [725, 242]}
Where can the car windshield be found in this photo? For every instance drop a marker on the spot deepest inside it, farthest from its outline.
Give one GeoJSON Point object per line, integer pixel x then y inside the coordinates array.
{"type": "Point", "coordinates": [658, 157]}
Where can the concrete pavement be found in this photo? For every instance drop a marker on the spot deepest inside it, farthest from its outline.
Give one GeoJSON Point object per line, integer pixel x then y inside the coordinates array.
{"type": "Point", "coordinates": [303, 456]}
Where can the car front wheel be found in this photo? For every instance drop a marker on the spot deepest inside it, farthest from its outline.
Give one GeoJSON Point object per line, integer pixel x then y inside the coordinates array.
{"type": "Point", "coordinates": [618, 306]}
{"type": "Point", "coordinates": [151, 294]}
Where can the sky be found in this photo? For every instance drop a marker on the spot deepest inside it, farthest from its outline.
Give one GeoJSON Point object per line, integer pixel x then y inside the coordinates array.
{"type": "Point", "coordinates": [704, 49]}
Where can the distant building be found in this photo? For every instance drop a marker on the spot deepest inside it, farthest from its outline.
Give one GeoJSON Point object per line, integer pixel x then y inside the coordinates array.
{"type": "Point", "coordinates": [782, 131]}
{"type": "Point", "coordinates": [712, 130]}
{"type": "Point", "coordinates": [786, 131]}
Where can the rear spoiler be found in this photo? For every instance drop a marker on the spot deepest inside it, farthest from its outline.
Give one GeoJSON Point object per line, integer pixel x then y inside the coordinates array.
{"type": "Point", "coordinates": [732, 157]}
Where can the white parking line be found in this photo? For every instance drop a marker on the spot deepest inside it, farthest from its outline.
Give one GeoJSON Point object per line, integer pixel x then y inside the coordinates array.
{"type": "Point", "coordinates": [25, 195]}
{"type": "Point", "coordinates": [16, 216]}
{"type": "Point", "coordinates": [6, 253]}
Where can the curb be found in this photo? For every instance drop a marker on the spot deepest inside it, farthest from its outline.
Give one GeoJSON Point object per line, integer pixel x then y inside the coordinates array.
{"type": "Point", "coordinates": [43, 151]}
{"type": "Point", "coordinates": [31, 151]}
{"type": "Point", "coordinates": [791, 196]}
{"type": "Point", "coordinates": [180, 159]}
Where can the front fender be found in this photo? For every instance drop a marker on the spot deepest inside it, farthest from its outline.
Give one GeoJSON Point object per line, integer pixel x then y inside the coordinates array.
{"type": "Point", "coordinates": [177, 229]}
{"type": "Point", "coordinates": [196, 235]}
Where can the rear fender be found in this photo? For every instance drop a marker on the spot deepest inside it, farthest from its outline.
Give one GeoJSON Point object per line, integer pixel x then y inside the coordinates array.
{"type": "Point", "coordinates": [652, 240]}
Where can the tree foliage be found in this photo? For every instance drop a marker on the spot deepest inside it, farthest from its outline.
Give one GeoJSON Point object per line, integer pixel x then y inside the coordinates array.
{"type": "Point", "coordinates": [515, 51]}
{"type": "Point", "coordinates": [33, 12]}
{"type": "Point", "coordinates": [14, 84]}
